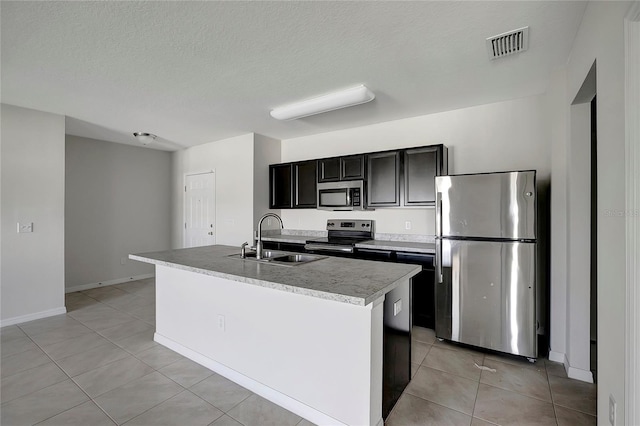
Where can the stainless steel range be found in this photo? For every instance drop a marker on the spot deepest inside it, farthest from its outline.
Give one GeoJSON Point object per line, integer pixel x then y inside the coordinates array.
{"type": "Point", "coordinates": [342, 235]}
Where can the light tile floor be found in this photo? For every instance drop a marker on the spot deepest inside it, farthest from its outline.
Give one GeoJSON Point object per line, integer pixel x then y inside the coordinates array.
{"type": "Point", "coordinates": [99, 365]}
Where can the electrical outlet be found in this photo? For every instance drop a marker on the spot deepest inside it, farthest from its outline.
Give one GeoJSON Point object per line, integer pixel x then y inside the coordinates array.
{"type": "Point", "coordinates": [268, 221]}
{"type": "Point", "coordinates": [612, 410]}
{"type": "Point", "coordinates": [25, 227]}
{"type": "Point", "coordinates": [407, 225]}
{"type": "Point", "coordinates": [397, 307]}
{"type": "Point", "coordinates": [221, 325]}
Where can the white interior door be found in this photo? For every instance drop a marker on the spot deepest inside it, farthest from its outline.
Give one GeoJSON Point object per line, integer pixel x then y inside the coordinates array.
{"type": "Point", "coordinates": [199, 210]}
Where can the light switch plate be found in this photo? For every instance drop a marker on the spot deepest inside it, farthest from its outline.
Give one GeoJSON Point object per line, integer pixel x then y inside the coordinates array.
{"type": "Point", "coordinates": [25, 227]}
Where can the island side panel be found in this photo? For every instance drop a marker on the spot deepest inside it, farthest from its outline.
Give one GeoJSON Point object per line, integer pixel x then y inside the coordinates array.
{"type": "Point", "coordinates": [324, 355]}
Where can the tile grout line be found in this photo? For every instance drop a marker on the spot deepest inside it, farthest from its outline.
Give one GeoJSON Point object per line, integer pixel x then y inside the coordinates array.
{"type": "Point", "coordinates": [553, 404]}
{"type": "Point", "coordinates": [69, 378]}
{"type": "Point", "coordinates": [109, 340]}
{"type": "Point", "coordinates": [77, 384]}
{"type": "Point", "coordinates": [433, 402]}
{"type": "Point", "coordinates": [65, 372]}
{"type": "Point", "coordinates": [520, 393]}
{"type": "Point", "coordinates": [154, 370]}
{"type": "Point", "coordinates": [475, 400]}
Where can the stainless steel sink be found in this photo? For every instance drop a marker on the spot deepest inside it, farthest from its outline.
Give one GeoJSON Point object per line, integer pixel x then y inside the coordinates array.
{"type": "Point", "coordinates": [296, 258]}
{"type": "Point", "coordinates": [280, 258]}
{"type": "Point", "coordinates": [266, 254]}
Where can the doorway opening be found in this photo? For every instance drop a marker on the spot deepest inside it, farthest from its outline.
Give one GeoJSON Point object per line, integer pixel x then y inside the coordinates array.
{"type": "Point", "coordinates": [583, 225]}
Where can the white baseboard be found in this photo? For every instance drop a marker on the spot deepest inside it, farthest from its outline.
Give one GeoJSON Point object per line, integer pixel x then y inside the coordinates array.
{"type": "Point", "coordinates": [572, 372]}
{"type": "Point", "coordinates": [106, 283]}
{"type": "Point", "coordinates": [264, 391]}
{"type": "Point", "coordinates": [557, 357]}
{"type": "Point", "coordinates": [31, 317]}
{"type": "Point", "coordinates": [579, 374]}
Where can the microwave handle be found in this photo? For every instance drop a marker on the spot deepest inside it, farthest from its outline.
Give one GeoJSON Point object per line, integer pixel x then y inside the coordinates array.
{"type": "Point", "coordinates": [348, 197]}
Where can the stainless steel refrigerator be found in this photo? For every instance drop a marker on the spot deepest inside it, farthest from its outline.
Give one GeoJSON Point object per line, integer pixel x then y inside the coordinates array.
{"type": "Point", "coordinates": [486, 261]}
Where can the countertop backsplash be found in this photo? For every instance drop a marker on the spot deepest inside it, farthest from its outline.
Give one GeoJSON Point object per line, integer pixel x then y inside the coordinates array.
{"type": "Point", "coordinates": [298, 232]}
{"type": "Point", "coordinates": [413, 238]}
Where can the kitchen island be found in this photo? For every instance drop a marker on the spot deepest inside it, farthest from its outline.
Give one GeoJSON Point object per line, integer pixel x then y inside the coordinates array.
{"type": "Point", "coordinates": [307, 337]}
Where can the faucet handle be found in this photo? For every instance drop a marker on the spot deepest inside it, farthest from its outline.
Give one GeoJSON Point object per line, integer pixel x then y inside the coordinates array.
{"type": "Point", "coordinates": [242, 250]}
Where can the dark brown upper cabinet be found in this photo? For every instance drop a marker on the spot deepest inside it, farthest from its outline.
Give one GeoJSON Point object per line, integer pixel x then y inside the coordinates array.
{"type": "Point", "coordinates": [383, 179]}
{"type": "Point", "coordinates": [421, 166]}
{"type": "Point", "coordinates": [293, 185]}
{"type": "Point", "coordinates": [397, 178]}
{"type": "Point", "coordinates": [280, 186]}
{"type": "Point", "coordinates": [352, 167]}
{"type": "Point", "coordinates": [329, 169]}
{"type": "Point", "coordinates": [341, 168]}
{"type": "Point", "coordinates": [305, 184]}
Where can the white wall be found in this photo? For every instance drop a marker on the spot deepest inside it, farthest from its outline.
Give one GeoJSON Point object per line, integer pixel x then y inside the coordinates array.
{"type": "Point", "coordinates": [32, 171]}
{"type": "Point", "coordinates": [117, 202]}
{"type": "Point", "coordinates": [274, 344]}
{"type": "Point", "coordinates": [232, 160]}
{"type": "Point", "coordinates": [579, 231]}
{"type": "Point", "coordinates": [600, 39]}
{"type": "Point", "coordinates": [266, 151]}
{"type": "Point", "coordinates": [558, 119]}
{"type": "Point", "coordinates": [501, 136]}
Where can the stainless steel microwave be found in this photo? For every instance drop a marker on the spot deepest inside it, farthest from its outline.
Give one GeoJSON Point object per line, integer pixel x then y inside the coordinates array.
{"type": "Point", "coordinates": [341, 196]}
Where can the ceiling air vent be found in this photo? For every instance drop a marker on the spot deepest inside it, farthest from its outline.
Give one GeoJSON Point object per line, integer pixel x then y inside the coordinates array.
{"type": "Point", "coordinates": [508, 43]}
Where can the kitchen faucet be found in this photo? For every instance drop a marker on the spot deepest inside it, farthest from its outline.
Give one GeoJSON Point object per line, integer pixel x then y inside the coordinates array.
{"type": "Point", "coordinates": [258, 244]}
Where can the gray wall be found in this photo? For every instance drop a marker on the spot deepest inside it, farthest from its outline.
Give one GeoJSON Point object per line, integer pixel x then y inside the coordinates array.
{"type": "Point", "coordinates": [32, 170]}
{"type": "Point", "coordinates": [118, 201]}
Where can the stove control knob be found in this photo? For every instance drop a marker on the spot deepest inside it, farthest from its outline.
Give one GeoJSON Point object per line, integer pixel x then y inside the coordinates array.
{"type": "Point", "coordinates": [363, 225]}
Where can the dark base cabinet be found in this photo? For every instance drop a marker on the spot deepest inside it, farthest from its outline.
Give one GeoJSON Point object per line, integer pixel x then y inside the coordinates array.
{"type": "Point", "coordinates": [396, 347]}
{"type": "Point", "coordinates": [423, 293]}
{"type": "Point", "coordinates": [396, 370]}
{"type": "Point", "coordinates": [424, 300]}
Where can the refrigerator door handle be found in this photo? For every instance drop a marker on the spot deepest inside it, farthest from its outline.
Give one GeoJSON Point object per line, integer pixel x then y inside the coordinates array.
{"type": "Point", "coordinates": [438, 214]}
{"type": "Point", "coordinates": [438, 260]}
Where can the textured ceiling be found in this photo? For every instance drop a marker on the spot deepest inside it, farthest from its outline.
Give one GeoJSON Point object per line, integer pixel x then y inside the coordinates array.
{"type": "Point", "coordinates": [196, 72]}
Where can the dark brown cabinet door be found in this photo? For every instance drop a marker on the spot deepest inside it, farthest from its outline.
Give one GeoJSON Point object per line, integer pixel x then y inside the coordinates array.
{"type": "Point", "coordinates": [383, 172]}
{"type": "Point", "coordinates": [305, 184]}
{"type": "Point", "coordinates": [352, 167]}
{"type": "Point", "coordinates": [421, 166]}
{"type": "Point", "coordinates": [329, 169]}
{"type": "Point", "coordinates": [280, 186]}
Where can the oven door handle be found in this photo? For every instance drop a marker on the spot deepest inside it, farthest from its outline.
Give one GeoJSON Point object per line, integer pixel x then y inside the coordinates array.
{"type": "Point", "coordinates": [328, 247]}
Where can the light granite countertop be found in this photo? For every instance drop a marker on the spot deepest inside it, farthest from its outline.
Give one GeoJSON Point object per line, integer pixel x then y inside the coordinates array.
{"type": "Point", "coordinates": [359, 282]}
{"type": "Point", "coordinates": [404, 246]}
{"type": "Point", "coordinates": [395, 242]}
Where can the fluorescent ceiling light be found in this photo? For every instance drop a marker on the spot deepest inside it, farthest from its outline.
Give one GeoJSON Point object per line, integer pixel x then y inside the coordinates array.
{"type": "Point", "coordinates": [336, 100]}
